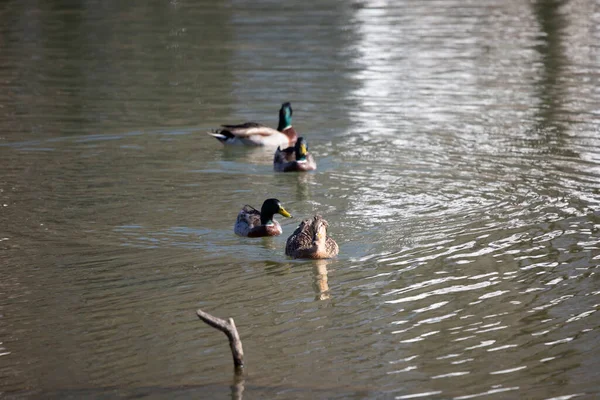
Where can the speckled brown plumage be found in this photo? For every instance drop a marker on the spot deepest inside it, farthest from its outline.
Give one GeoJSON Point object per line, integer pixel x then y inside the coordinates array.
{"type": "Point", "coordinates": [310, 240]}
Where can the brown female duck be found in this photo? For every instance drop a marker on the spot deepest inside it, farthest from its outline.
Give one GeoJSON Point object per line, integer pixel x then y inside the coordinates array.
{"type": "Point", "coordinates": [310, 240]}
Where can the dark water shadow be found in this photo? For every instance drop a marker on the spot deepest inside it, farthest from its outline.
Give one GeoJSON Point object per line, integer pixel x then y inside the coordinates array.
{"type": "Point", "coordinates": [551, 125]}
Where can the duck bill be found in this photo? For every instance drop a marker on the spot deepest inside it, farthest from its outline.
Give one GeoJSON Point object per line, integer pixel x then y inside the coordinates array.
{"type": "Point", "coordinates": [317, 239]}
{"type": "Point", "coordinates": [303, 150]}
{"type": "Point", "coordinates": [283, 212]}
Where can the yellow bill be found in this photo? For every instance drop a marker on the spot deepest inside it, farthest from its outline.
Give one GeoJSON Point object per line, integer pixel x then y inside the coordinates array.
{"type": "Point", "coordinates": [283, 212]}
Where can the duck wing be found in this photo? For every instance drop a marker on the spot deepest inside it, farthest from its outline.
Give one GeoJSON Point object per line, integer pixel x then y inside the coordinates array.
{"type": "Point", "coordinates": [245, 125]}
{"type": "Point", "coordinates": [301, 238]}
{"type": "Point", "coordinates": [248, 129]}
{"type": "Point", "coordinates": [331, 247]}
{"type": "Point", "coordinates": [283, 157]}
{"type": "Point", "coordinates": [249, 215]}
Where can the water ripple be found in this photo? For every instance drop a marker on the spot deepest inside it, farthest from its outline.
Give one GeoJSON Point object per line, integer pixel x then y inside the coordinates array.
{"type": "Point", "coordinates": [459, 172]}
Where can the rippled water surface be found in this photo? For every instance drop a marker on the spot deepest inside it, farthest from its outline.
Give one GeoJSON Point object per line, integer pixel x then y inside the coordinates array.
{"type": "Point", "coordinates": [458, 145]}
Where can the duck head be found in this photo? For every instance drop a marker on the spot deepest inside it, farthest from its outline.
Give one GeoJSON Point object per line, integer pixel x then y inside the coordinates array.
{"type": "Point", "coordinates": [319, 229]}
{"type": "Point", "coordinates": [271, 207]}
{"type": "Point", "coordinates": [301, 149]}
{"type": "Point", "coordinates": [285, 116]}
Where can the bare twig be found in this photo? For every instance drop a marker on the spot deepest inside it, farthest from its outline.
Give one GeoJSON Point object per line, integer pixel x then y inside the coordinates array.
{"type": "Point", "coordinates": [229, 329]}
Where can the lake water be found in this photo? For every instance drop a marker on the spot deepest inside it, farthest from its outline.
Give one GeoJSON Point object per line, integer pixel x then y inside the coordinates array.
{"type": "Point", "coordinates": [459, 169]}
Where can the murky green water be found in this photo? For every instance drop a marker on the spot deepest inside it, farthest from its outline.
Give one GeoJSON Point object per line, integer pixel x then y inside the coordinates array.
{"type": "Point", "coordinates": [459, 169]}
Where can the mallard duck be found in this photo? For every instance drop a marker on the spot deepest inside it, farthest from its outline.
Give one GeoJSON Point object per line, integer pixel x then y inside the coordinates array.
{"type": "Point", "coordinates": [310, 240]}
{"type": "Point", "coordinates": [296, 158]}
{"type": "Point", "coordinates": [253, 223]}
{"type": "Point", "coordinates": [255, 134]}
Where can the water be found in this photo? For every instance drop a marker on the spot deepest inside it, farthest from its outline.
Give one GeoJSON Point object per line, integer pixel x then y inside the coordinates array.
{"type": "Point", "coordinates": [459, 170]}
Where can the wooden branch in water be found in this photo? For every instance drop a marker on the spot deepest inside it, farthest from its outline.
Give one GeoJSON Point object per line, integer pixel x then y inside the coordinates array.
{"type": "Point", "coordinates": [229, 329]}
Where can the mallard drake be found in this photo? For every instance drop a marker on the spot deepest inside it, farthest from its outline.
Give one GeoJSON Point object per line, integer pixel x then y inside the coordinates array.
{"type": "Point", "coordinates": [310, 240]}
{"type": "Point", "coordinates": [255, 134]}
{"type": "Point", "coordinates": [296, 158]}
{"type": "Point", "coordinates": [253, 223]}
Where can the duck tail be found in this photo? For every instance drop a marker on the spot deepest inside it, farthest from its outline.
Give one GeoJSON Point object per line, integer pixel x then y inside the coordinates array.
{"type": "Point", "coordinates": [220, 135]}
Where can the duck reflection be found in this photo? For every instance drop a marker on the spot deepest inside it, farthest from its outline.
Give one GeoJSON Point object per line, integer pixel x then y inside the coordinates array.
{"type": "Point", "coordinates": [320, 283]}
{"type": "Point", "coordinates": [303, 182]}
{"type": "Point", "coordinates": [269, 244]}
{"type": "Point", "coordinates": [300, 182]}
{"type": "Point", "coordinates": [253, 155]}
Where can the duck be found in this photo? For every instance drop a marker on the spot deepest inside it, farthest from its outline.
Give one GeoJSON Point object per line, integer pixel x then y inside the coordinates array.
{"type": "Point", "coordinates": [296, 158]}
{"type": "Point", "coordinates": [310, 240]}
{"type": "Point", "coordinates": [255, 134]}
{"type": "Point", "coordinates": [253, 223]}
